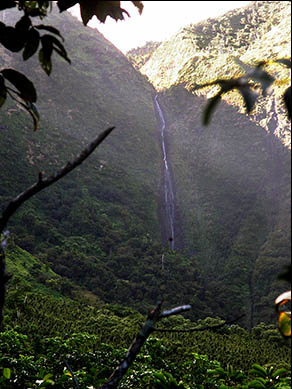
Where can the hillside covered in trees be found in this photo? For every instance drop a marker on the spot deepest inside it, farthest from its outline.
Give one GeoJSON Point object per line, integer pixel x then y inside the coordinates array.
{"type": "Point", "coordinates": [91, 253]}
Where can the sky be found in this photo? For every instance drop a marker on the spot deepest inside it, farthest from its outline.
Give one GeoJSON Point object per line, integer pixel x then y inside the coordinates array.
{"type": "Point", "coordinates": [159, 20]}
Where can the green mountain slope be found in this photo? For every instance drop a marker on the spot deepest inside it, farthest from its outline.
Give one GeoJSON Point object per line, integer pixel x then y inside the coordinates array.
{"type": "Point", "coordinates": [232, 179]}
{"type": "Point", "coordinates": [98, 228]}
{"type": "Point", "coordinates": [232, 183]}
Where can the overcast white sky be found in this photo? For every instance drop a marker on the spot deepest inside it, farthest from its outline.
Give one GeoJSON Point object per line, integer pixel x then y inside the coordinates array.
{"type": "Point", "coordinates": [159, 20]}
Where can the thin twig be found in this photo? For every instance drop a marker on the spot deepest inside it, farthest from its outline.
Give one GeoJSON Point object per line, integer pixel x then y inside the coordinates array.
{"type": "Point", "coordinates": [73, 376]}
{"type": "Point", "coordinates": [43, 183]}
{"type": "Point", "coordinates": [38, 186]}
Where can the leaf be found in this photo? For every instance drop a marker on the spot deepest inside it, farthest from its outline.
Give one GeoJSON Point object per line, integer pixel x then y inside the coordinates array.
{"type": "Point", "coordinates": [6, 373]}
{"type": "Point", "coordinates": [284, 324]}
{"type": "Point", "coordinates": [7, 4]}
{"type": "Point", "coordinates": [65, 4]}
{"type": "Point", "coordinates": [60, 49]}
{"type": "Point", "coordinates": [47, 377]}
{"type": "Point", "coordinates": [34, 113]}
{"type": "Point", "coordinates": [87, 14]}
{"type": "Point", "coordinates": [256, 384]}
{"type": "Point", "coordinates": [249, 97]}
{"type": "Point", "coordinates": [139, 5]}
{"type": "Point", "coordinates": [45, 62]}
{"type": "Point", "coordinates": [21, 83]}
{"type": "Point", "coordinates": [51, 29]}
{"type": "Point", "coordinates": [261, 76]}
{"type": "Point", "coordinates": [284, 61]}
{"type": "Point", "coordinates": [101, 9]}
{"type": "Point", "coordinates": [23, 24]}
{"type": "Point", "coordinates": [32, 110]}
{"type": "Point", "coordinates": [280, 373]}
{"type": "Point", "coordinates": [45, 54]}
{"type": "Point", "coordinates": [3, 91]}
{"type": "Point", "coordinates": [32, 44]}
{"type": "Point", "coordinates": [287, 101]}
{"type": "Point", "coordinates": [259, 370]}
{"type": "Point", "coordinates": [212, 103]}
{"type": "Point", "coordinates": [256, 74]}
{"type": "Point", "coordinates": [12, 39]}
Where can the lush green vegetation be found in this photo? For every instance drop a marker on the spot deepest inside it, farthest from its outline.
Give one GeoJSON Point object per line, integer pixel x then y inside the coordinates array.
{"type": "Point", "coordinates": [49, 362]}
{"type": "Point", "coordinates": [53, 337]}
{"type": "Point", "coordinates": [86, 255]}
{"type": "Point", "coordinates": [140, 55]}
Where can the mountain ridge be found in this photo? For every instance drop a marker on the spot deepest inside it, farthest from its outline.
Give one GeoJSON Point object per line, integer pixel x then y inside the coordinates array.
{"type": "Point", "coordinates": [204, 51]}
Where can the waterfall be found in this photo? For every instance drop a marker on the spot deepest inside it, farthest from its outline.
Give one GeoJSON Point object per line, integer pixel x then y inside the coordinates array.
{"type": "Point", "coordinates": [169, 200]}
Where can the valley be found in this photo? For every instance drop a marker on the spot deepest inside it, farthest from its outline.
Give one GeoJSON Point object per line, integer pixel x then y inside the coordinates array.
{"type": "Point", "coordinates": [166, 208]}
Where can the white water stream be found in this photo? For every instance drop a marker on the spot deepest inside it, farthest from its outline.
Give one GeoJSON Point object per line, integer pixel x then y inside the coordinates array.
{"type": "Point", "coordinates": [169, 201]}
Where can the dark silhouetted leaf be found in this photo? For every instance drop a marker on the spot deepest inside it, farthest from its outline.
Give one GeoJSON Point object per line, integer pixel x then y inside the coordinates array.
{"type": "Point", "coordinates": [22, 84]}
{"type": "Point", "coordinates": [249, 97]}
{"type": "Point", "coordinates": [12, 39]}
{"type": "Point", "coordinates": [7, 4]}
{"type": "Point", "coordinates": [35, 115]}
{"type": "Point", "coordinates": [287, 100]}
{"type": "Point", "coordinates": [23, 24]}
{"type": "Point", "coordinates": [45, 62]}
{"type": "Point", "coordinates": [3, 91]}
{"type": "Point", "coordinates": [45, 54]}
{"type": "Point", "coordinates": [59, 48]}
{"type": "Point", "coordinates": [51, 29]}
{"type": "Point", "coordinates": [32, 110]}
{"type": "Point", "coordinates": [65, 4]}
{"type": "Point", "coordinates": [261, 76]}
{"type": "Point", "coordinates": [32, 44]}
{"type": "Point", "coordinates": [101, 9]}
{"type": "Point", "coordinates": [87, 14]}
{"type": "Point", "coordinates": [139, 5]}
{"type": "Point", "coordinates": [284, 61]}
{"type": "Point", "coordinates": [213, 102]}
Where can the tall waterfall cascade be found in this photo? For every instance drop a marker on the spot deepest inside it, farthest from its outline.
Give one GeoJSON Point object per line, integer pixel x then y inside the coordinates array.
{"type": "Point", "coordinates": [169, 199]}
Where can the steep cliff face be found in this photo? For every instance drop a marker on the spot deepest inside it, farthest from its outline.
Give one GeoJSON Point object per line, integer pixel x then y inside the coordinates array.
{"type": "Point", "coordinates": [232, 178]}
{"type": "Point", "coordinates": [204, 52]}
{"type": "Point", "coordinates": [232, 186]}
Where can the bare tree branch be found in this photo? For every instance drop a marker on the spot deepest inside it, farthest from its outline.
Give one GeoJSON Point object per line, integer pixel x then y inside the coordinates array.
{"type": "Point", "coordinates": [175, 311]}
{"type": "Point", "coordinates": [38, 186]}
{"type": "Point", "coordinates": [149, 326]}
{"type": "Point", "coordinates": [44, 183]}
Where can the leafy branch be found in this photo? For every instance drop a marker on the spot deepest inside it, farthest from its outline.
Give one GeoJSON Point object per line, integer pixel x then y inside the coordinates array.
{"type": "Point", "coordinates": [248, 85]}
{"type": "Point", "coordinates": [26, 38]}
